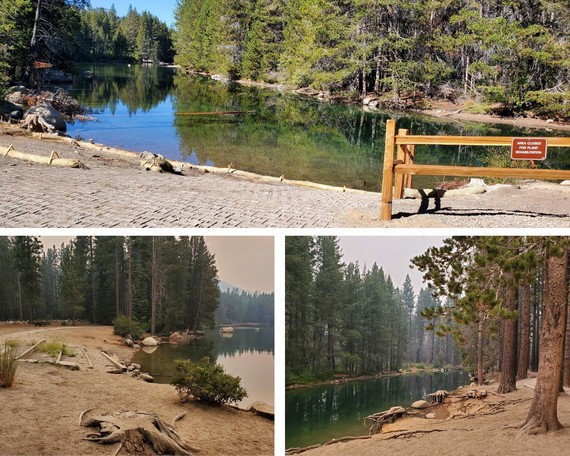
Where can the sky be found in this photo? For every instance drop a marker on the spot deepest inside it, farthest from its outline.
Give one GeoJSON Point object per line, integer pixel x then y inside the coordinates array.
{"type": "Point", "coordinates": [246, 262]}
{"type": "Point", "coordinates": [163, 9]}
{"type": "Point", "coordinates": [392, 253]}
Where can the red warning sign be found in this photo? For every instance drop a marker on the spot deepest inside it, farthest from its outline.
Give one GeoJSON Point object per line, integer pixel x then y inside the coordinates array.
{"type": "Point", "coordinates": [529, 149]}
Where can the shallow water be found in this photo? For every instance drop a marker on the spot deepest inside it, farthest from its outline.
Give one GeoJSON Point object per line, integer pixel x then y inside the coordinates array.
{"type": "Point", "coordinates": [280, 134]}
{"type": "Point", "coordinates": [321, 413]}
{"type": "Point", "coordinates": [247, 353]}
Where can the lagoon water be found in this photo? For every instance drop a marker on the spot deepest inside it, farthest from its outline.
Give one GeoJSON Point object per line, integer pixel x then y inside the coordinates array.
{"type": "Point", "coordinates": [283, 134]}
{"type": "Point", "coordinates": [321, 413]}
{"type": "Point", "coordinates": [247, 353]}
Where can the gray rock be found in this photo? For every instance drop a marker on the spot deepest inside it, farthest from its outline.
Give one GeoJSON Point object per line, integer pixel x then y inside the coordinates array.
{"type": "Point", "coordinates": [150, 342]}
{"type": "Point", "coordinates": [44, 118]}
{"type": "Point", "coordinates": [566, 182]}
{"type": "Point", "coordinates": [17, 94]}
{"type": "Point", "coordinates": [10, 110]}
{"type": "Point", "coordinates": [146, 377]}
{"type": "Point", "coordinates": [430, 416]}
{"type": "Point", "coordinates": [420, 404]}
{"type": "Point", "coordinates": [262, 409]}
{"type": "Point", "coordinates": [136, 366]}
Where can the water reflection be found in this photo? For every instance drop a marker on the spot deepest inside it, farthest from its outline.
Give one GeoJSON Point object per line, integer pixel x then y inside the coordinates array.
{"type": "Point", "coordinates": [316, 415]}
{"type": "Point", "coordinates": [248, 354]}
{"type": "Point", "coordinates": [283, 135]}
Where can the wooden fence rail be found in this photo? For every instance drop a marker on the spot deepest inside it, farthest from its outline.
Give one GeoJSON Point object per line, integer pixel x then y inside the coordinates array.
{"type": "Point", "coordinates": [397, 174]}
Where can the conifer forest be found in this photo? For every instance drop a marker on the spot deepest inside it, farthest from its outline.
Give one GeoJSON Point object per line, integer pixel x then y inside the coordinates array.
{"type": "Point", "coordinates": [498, 306]}
{"type": "Point", "coordinates": [164, 283]}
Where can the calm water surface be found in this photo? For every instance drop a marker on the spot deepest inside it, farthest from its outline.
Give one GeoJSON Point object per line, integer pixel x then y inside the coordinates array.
{"type": "Point", "coordinates": [247, 353]}
{"type": "Point", "coordinates": [321, 413]}
{"type": "Point", "coordinates": [138, 107]}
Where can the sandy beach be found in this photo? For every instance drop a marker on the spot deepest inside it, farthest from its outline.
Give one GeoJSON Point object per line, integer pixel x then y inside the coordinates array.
{"type": "Point", "coordinates": [40, 413]}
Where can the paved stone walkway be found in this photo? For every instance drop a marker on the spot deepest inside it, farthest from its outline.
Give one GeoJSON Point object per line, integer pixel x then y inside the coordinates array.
{"type": "Point", "coordinates": [112, 191]}
{"type": "Point", "coordinates": [40, 196]}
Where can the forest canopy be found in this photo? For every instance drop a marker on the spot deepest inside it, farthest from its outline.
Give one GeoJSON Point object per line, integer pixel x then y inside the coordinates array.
{"type": "Point", "coordinates": [514, 53]}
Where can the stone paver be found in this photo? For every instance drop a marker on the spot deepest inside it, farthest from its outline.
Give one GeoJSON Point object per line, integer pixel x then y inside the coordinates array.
{"type": "Point", "coordinates": [113, 192]}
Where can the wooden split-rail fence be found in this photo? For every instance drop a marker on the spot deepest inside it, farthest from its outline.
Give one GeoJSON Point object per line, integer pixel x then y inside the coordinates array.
{"type": "Point", "coordinates": [397, 173]}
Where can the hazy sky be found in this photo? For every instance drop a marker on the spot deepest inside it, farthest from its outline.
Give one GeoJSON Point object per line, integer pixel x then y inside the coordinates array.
{"type": "Point", "coordinates": [392, 253]}
{"type": "Point", "coordinates": [163, 9]}
{"type": "Point", "coordinates": [244, 261]}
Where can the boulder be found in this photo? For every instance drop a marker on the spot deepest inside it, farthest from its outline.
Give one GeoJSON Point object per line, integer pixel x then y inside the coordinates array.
{"type": "Point", "coordinates": [374, 104]}
{"type": "Point", "coordinates": [420, 404]}
{"type": "Point", "coordinates": [44, 118]}
{"type": "Point", "coordinates": [146, 377]}
{"type": "Point", "coordinates": [566, 182]}
{"type": "Point", "coordinates": [430, 416]}
{"type": "Point", "coordinates": [55, 76]}
{"type": "Point", "coordinates": [136, 366]}
{"type": "Point", "coordinates": [10, 110]}
{"type": "Point", "coordinates": [17, 95]}
{"type": "Point", "coordinates": [150, 342]}
{"type": "Point", "coordinates": [366, 100]}
{"type": "Point", "coordinates": [176, 338]}
{"type": "Point", "coordinates": [128, 342]}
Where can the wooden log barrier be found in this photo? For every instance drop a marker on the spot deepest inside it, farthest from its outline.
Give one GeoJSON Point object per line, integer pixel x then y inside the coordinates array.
{"type": "Point", "coordinates": [53, 160]}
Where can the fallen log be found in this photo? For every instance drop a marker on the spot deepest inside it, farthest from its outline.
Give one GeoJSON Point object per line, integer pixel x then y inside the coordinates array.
{"type": "Point", "coordinates": [53, 160]}
{"type": "Point", "coordinates": [31, 349]}
{"type": "Point", "coordinates": [87, 358]}
{"type": "Point", "coordinates": [114, 362]}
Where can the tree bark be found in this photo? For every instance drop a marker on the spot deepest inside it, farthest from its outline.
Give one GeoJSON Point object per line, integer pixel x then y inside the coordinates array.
{"type": "Point", "coordinates": [480, 372]}
{"type": "Point", "coordinates": [524, 345]}
{"type": "Point", "coordinates": [508, 381]}
{"type": "Point", "coordinates": [543, 416]}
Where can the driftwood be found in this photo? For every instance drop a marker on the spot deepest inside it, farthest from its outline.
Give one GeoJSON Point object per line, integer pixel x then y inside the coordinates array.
{"type": "Point", "coordinates": [437, 397]}
{"type": "Point", "coordinates": [53, 160]}
{"type": "Point", "coordinates": [114, 362]}
{"type": "Point", "coordinates": [31, 349]}
{"type": "Point", "coordinates": [87, 358]}
{"type": "Point", "coordinates": [388, 416]}
{"type": "Point", "coordinates": [136, 431]}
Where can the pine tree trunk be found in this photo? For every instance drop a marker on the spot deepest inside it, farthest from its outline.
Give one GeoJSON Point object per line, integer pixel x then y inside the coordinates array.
{"type": "Point", "coordinates": [508, 382]}
{"type": "Point", "coordinates": [154, 288]}
{"type": "Point", "coordinates": [566, 373]}
{"type": "Point", "coordinates": [543, 416]}
{"type": "Point", "coordinates": [480, 372]}
{"type": "Point", "coordinates": [525, 333]}
{"type": "Point", "coordinates": [21, 308]}
{"type": "Point", "coordinates": [130, 282]}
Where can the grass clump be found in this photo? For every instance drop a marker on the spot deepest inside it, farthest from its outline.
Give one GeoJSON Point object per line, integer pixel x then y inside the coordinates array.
{"type": "Point", "coordinates": [53, 347]}
{"type": "Point", "coordinates": [207, 382]}
{"type": "Point", "coordinates": [8, 365]}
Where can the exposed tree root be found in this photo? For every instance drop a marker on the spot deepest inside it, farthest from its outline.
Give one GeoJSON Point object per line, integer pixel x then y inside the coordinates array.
{"type": "Point", "coordinates": [333, 441]}
{"type": "Point", "coordinates": [137, 432]}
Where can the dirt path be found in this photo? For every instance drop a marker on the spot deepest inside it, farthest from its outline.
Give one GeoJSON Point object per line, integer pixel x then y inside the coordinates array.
{"type": "Point", "coordinates": [40, 413]}
{"type": "Point", "coordinates": [478, 428]}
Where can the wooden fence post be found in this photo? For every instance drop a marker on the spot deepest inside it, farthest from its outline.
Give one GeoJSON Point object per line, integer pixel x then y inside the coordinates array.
{"type": "Point", "coordinates": [388, 171]}
{"type": "Point", "coordinates": [401, 154]}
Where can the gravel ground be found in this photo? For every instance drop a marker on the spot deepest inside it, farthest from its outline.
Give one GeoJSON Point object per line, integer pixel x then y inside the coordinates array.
{"type": "Point", "coordinates": [111, 190]}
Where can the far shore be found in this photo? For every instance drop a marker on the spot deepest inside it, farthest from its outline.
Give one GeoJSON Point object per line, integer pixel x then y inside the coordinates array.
{"type": "Point", "coordinates": [347, 378]}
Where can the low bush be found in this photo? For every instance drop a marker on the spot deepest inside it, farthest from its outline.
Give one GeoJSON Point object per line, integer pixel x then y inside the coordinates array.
{"type": "Point", "coordinates": [207, 381]}
{"type": "Point", "coordinates": [123, 327]}
{"type": "Point", "coordinates": [53, 347]}
{"type": "Point", "coordinates": [8, 365]}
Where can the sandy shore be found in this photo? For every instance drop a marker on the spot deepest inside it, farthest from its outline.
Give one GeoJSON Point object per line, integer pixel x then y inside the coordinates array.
{"type": "Point", "coordinates": [40, 413]}
{"type": "Point", "coordinates": [466, 427]}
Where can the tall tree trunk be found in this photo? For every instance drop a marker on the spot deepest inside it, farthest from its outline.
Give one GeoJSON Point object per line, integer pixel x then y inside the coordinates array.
{"type": "Point", "coordinates": [524, 344]}
{"type": "Point", "coordinates": [480, 371]}
{"type": "Point", "coordinates": [93, 293]}
{"type": "Point", "coordinates": [508, 381]}
{"type": "Point", "coordinates": [34, 39]}
{"type": "Point", "coordinates": [567, 339]}
{"type": "Point", "coordinates": [543, 416]}
{"type": "Point", "coordinates": [130, 281]}
{"type": "Point", "coordinates": [21, 308]}
{"type": "Point", "coordinates": [117, 277]}
{"type": "Point", "coordinates": [154, 288]}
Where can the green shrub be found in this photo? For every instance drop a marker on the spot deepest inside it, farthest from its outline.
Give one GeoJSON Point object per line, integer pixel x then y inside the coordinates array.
{"type": "Point", "coordinates": [122, 327]}
{"type": "Point", "coordinates": [53, 347]}
{"type": "Point", "coordinates": [207, 381]}
{"type": "Point", "coordinates": [8, 365]}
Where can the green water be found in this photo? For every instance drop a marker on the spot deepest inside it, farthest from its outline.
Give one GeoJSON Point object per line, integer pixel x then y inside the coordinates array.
{"type": "Point", "coordinates": [247, 353]}
{"type": "Point", "coordinates": [321, 413]}
{"type": "Point", "coordinates": [285, 134]}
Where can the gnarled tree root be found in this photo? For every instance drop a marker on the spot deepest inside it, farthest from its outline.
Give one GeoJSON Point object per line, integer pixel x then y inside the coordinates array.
{"type": "Point", "coordinates": [136, 431]}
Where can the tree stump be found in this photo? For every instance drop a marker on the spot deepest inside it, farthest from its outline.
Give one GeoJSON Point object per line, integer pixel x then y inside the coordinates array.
{"type": "Point", "coordinates": [138, 432]}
